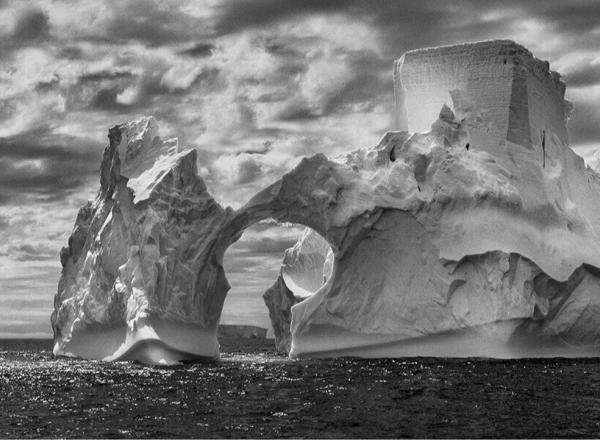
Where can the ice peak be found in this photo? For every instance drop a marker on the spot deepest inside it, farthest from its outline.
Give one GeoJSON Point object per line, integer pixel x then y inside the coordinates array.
{"type": "Point", "coordinates": [137, 154]}
{"type": "Point", "coordinates": [141, 145]}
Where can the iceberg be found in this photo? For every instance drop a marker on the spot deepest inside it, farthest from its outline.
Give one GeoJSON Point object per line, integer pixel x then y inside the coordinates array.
{"type": "Point", "coordinates": [473, 230]}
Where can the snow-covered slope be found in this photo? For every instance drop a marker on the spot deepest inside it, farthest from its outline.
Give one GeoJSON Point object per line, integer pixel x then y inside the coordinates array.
{"type": "Point", "coordinates": [470, 238]}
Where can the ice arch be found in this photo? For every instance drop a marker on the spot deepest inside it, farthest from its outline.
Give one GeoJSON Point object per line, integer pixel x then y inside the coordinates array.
{"type": "Point", "coordinates": [143, 272]}
{"type": "Point", "coordinates": [308, 196]}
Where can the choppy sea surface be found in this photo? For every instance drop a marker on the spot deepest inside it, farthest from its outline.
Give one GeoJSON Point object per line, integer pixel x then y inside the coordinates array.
{"type": "Point", "coordinates": [252, 392]}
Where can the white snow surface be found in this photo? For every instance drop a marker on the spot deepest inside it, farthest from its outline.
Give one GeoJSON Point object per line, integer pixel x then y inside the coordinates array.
{"type": "Point", "coordinates": [471, 238]}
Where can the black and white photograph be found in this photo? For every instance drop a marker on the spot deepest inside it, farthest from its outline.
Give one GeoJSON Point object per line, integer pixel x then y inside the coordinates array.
{"type": "Point", "coordinates": [299, 219]}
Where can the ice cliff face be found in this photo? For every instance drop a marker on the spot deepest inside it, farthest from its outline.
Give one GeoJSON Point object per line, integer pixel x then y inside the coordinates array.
{"type": "Point", "coordinates": [518, 95]}
{"type": "Point", "coordinates": [471, 238]}
{"type": "Point", "coordinates": [140, 272]}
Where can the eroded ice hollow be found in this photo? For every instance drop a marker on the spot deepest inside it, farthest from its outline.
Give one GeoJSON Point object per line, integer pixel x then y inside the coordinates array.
{"type": "Point", "coordinates": [471, 232]}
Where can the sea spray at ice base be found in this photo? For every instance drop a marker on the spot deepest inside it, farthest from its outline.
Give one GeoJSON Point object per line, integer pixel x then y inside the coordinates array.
{"type": "Point", "coordinates": [475, 238]}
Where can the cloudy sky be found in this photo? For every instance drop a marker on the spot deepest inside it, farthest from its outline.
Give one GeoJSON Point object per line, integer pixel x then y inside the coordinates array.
{"type": "Point", "coordinates": [253, 85]}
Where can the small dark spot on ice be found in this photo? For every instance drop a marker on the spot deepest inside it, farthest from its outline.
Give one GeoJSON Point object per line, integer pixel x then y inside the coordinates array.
{"type": "Point", "coordinates": [467, 146]}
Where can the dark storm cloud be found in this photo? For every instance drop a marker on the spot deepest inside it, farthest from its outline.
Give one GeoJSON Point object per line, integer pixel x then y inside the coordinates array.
{"type": "Point", "coordinates": [32, 24]}
{"type": "Point", "coordinates": [199, 50]}
{"type": "Point", "coordinates": [585, 76]}
{"type": "Point", "coordinates": [152, 23]}
{"type": "Point", "coordinates": [28, 252]}
{"type": "Point", "coordinates": [124, 29]}
{"type": "Point", "coordinates": [106, 99]}
{"type": "Point", "coordinates": [31, 28]}
{"type": "Point", "coordinates": [248, 171]}
{"type": "Point", "coordinates": [572, 16]}
{"type": "Point", "coordinates": [209, 78]}
{"type": "Point", "coordinates": [44, 166]}
{"type": "Point", "coordinates": [71, 53]}
{"type": "Point", "coordinates": [410, 24]}
{"type": "Point", "coordinates": [104, 75]}
{"type": "Point", "coordinates": [369, 85]}
{"type": "Point", "coordinates": [284, 46]}
{"type": "Point", "coordinates": [288, 49]}
{"type": "Point", "coordinates": [297, 111]}
{"type": "Point", "coordinates": [47, 86]}
{"type": "Point", "coordinates": [236, 16]}
{"type": "Point", "coordinates": [100, 91]}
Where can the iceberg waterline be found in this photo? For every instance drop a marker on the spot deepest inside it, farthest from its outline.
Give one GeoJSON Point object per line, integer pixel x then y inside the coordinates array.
{"type": "Point", "coordinates": [478, 237]}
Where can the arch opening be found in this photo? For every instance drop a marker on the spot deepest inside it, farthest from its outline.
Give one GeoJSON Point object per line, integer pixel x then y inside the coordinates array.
{"type": "Point", "coordinates": [272, 267]}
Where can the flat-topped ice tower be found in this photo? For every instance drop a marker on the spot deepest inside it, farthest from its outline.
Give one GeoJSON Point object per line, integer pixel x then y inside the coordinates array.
{"type": "Point", "coordinates": [519, 96]}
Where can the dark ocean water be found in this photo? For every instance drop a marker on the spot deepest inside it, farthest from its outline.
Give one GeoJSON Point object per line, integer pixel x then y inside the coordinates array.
{"type": "Point", "coordinates": [261, 394]}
